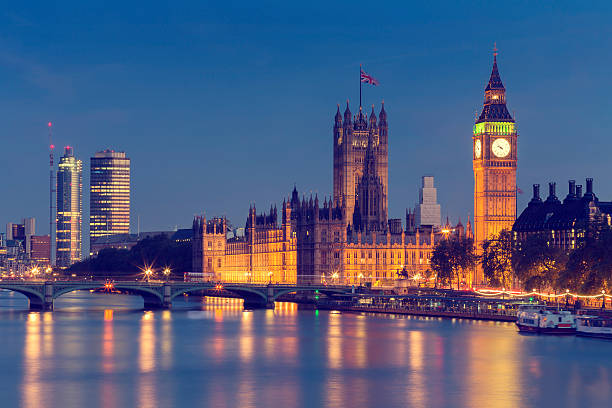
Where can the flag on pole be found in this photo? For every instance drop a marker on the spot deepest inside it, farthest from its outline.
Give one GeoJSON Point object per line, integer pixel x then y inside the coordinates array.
{"type": "Point", "coordinates": [368, 79]}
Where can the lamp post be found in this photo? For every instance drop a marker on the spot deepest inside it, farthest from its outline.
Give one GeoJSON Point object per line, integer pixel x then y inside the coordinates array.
{"type": "Point", "coordinates": [166, 273]}
{"type": "Point", "coordinates": [270, 276]}
{"type": "Point", "coordinates": [603, 299]}
{"type": "Point", "coordinates": [148, 272]}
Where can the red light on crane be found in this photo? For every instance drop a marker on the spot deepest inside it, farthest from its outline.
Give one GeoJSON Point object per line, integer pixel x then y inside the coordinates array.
{"type": "Point", "coordinates": [49, 124]}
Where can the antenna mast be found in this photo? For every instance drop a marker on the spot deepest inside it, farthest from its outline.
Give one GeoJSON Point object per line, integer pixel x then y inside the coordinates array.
{"type": "Point", "coordinates": [51, 203]}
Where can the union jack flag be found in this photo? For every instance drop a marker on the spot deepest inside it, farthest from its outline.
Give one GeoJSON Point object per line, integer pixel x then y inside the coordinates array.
{"type": "Point", "coordinates": [368, 79]}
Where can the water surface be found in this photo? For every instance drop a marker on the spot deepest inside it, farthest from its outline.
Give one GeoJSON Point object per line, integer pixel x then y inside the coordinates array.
{"type": "Point", "coordinates": [99, 350]}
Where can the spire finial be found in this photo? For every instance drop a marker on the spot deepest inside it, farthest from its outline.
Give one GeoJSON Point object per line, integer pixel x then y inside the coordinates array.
{"type": "Point", "coordinates": [495, 50]}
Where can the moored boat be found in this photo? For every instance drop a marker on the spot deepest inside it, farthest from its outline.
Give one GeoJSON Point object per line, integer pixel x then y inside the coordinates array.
{"type": "Point", "coordinates": [542, 320]}
{"type": "Point", "coordinates": [594, 326]}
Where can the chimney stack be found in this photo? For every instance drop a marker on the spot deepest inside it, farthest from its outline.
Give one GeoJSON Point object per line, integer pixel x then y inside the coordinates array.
{"type": "Point", "coordinates": [579, 191]}
{"type": "Point", "coordinates": [536, 194]}
{"type": "Point", "coordinates": [589, 186]}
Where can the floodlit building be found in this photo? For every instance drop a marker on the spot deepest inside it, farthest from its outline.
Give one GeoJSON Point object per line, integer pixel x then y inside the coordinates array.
{"type": "Point", "coordinates": [494, 161]}
{"type": "Point", "coordinates": [109, 198]}
{"type": "Point", "coordinates": [348, 238]}
{"type": "Point", "coordinates": [40, 249]}
{"type": "Point", "coordinates": [68, 238]}
{"type": "Point", "coordinates": [564, 224]}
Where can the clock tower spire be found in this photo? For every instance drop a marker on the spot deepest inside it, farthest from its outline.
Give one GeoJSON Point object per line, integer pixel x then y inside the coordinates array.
{"type": "Point", "coordinates": [494, 160]}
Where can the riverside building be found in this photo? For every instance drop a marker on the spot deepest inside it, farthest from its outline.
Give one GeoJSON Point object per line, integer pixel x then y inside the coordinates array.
{"type": "Point", "coordinates": [109, 196]}
{"type": "Point", "coordinates": [494, 161]}
{"type": "Point", "coordinates": [348, 238]}
{"type": "Point", "coordinates": [564, 224]}
{"type": "Point", "coordinates": [69, 209]}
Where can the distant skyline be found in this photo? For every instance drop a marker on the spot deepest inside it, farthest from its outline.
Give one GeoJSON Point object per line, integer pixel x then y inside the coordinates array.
{"type": "Point", "coordinates": [223, 105]}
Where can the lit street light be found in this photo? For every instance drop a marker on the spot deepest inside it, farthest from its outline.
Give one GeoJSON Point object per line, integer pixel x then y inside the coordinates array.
{"type": "Point", "coordinates": [166, 272]}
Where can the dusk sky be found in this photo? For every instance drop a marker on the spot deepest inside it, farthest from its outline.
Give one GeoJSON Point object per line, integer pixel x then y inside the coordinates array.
{"type": "Point", "coordinates": [223, 104]}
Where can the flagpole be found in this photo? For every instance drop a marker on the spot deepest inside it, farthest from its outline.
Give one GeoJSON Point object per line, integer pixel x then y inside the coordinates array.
{"type": "Point", "coordinates": [360, 85]}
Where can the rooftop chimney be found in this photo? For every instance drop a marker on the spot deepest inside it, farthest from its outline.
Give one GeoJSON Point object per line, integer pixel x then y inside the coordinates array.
{"type": "Point", "coordinates": [571, 195]}
{"type": "Point", "coordinates": [589, 195]}
{"type": "Point", "coordinates": [552, 198]}
{"type": "Point", "coordinates": [589, 183]}
{"type": "Point", "coordinates": [579, 191]}
{"type": "Point", "coordinates": [536, 194]}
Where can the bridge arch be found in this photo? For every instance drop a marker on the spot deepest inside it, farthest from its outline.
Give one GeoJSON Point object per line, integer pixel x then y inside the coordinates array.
{"type": "Point", "coordinates": [150, 296]}
{"type": "Point", "coordinates": [36, 298]}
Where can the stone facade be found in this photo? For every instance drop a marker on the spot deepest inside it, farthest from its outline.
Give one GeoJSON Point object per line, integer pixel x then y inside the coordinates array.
{"type": "Point", "coordinates": [347, 239]}
{"type": "Point", "coordinates": [494, 143]}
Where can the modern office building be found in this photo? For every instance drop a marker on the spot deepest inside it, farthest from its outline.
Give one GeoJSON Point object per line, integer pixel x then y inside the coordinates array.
{"type": "Point", "coordinates": [22, 232]}
{"type": "Point", "coordinates": [68, 238]}
{"type": "Point", "coordinates": [109, 197]}
{"type": "Point", "coordinates": [40, 249]}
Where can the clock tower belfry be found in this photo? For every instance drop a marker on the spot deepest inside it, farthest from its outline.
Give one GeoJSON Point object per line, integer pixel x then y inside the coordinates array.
{"type": "Point", "coordinates": [494, 158]}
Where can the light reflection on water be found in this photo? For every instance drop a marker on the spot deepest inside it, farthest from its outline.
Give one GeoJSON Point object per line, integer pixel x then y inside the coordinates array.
{"type": "Point", "coordinates": [219, 355]}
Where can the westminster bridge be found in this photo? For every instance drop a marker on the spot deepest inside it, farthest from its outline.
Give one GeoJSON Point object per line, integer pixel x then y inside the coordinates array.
{"type": "Point", "coordinates": [159, 295]}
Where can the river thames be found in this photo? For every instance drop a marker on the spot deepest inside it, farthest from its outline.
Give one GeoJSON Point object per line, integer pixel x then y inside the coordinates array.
{"type": "Point", "coordinates": [99, 350]}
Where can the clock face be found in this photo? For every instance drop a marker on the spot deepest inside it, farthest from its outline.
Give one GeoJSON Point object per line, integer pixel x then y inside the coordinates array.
{"type": "Point", "coordinates": [477, 148]}
{"type": "Point", "coordinates": [500, 147]}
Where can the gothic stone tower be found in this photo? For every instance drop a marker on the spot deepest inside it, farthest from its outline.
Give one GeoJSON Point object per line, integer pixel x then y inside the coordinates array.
{"type": "Point", "coordinates": [350, 144]}
{"type": "Point", "coordinates": [494, 161]}
{"type": "Point", "coordinates": [370, 214]}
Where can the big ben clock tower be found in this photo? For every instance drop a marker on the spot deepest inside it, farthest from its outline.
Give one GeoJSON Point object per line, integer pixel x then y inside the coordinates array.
{"type": "Point", "coordinates": [494, 161]}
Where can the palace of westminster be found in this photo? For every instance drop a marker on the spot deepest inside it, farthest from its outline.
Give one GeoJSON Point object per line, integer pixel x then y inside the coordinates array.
{"type": "Point", "coordinates": [350, 237]}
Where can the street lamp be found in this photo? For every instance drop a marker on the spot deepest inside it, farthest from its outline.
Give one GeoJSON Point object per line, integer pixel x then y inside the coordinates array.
{"type": "Point", "coordinates": [335, 276]}
{"type": "Point", "coordinates": [166, 272]}
{"type": "Point", "coordinates": [270, 276]}
{"type": "Point", "coordinates": [148, 272]}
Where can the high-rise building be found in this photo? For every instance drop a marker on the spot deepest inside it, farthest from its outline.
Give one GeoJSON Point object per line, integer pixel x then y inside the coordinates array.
{"type": "Point", "coordinates": [109, 198]}
{"type": "Point", "coordinates": [22, 232]}
{"type": "Point", "coordinates": [427, 211]}
{"type": "Point", "coordinates": [351, 140]}
{"type": "Point", "coordinates": [40, 248]}
{"type": "Point", "coordinates": [494, 161]}
{"type": "Point", "coordinates": [68, 237]}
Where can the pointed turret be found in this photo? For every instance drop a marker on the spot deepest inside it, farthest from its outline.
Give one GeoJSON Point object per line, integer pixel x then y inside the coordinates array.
{"type": "Point", "coordinates": [338, 117]}
{"type": "Point", "coordinates": [382, 116]}
{"type": "Point", "coordinates": [373, 119]}
{"type": "Point", "coordinates": [495, 81]}
{"type": "Point", "coordinates": [347, 114]}
{"type": "Point", "coordinates": [494, 109]}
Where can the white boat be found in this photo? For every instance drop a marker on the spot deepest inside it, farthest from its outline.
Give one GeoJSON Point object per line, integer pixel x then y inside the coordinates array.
{"type": "Point", "coordinates": [594, 326]}
{"type": "Point", "coordinates": [542, 320]}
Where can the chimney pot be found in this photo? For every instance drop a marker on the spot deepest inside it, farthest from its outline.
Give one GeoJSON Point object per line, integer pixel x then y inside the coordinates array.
{"type": "Point", "coordinates": [536, 191]}
{"type": "Point", "coordinates": [551, 189]}
{"type": "Point", "coordinates": [589, 186]}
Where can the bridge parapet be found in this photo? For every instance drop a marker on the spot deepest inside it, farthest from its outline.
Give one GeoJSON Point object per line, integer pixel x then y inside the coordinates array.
{"type": "Point", "coordinates": [41, 294]}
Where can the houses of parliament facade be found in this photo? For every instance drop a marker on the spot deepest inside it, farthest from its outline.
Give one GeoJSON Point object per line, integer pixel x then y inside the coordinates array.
{"type": "Point", "coordinates": [349, 238]}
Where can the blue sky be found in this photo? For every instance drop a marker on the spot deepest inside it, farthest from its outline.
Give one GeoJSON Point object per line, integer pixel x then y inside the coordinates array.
{"type": "Point", "coordinates": [223, 104]}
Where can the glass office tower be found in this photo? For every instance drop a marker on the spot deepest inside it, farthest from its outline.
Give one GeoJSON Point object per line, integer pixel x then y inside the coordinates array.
{"type": "Point", "coordinates": [68, 239]}
{"type": "Point", "coordinates": [109, 196]}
